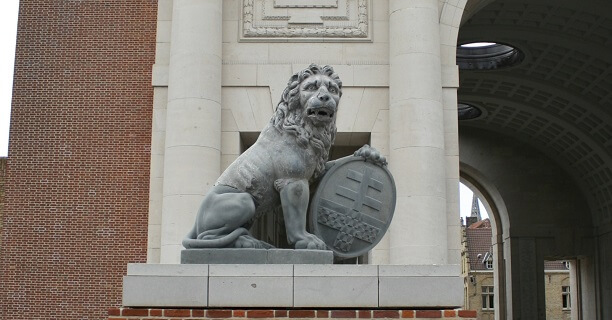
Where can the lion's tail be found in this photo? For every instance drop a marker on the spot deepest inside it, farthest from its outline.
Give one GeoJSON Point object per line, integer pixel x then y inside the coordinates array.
{"type": "Point", "coordinates": [195, 241]}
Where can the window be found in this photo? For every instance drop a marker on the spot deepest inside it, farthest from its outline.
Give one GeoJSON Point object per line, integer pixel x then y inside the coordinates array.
{"type": "Point", "coordinates": [488, 261]}
{"type": "Point", "coordinates": [487, 298]}
{"type": "Point", "coordinates": [566, 298]}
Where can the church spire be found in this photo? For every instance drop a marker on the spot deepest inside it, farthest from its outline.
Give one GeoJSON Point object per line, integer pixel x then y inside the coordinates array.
{"type": "Point", "coordinates": [475, 208]}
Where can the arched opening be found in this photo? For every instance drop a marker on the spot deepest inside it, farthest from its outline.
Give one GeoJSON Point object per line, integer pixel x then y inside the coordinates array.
{"type": "Point", "coordinates": [488, 298]}
{"type": "Point", "coordinates": [541, 139]}
{"type": "Point", "coordinates": [537, 214]}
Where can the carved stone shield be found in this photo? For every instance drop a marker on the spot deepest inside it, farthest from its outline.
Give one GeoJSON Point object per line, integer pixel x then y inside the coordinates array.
{"type": "Point", "coordinates": [353, 206]}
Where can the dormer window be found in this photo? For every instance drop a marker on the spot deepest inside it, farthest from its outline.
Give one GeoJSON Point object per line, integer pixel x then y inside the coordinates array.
{"type": "Point", "coordinates": [487, 260]}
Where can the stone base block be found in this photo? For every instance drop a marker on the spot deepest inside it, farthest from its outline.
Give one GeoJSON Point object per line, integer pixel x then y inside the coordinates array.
{"type": "Point", "coordinates": [165, 286]}
{"type": "Point", "coordinates": [250, 285]}
{"type": "Point", "coordinates": [430, 292]}
{"type": "Point", "coordinates": [436, 286]}
{"type": "Point", "coordinates": [292, 286]}
{"type": "Point", "coordinates": [336, 286]}
{"type": "Point", "coordinates": [256, 256]}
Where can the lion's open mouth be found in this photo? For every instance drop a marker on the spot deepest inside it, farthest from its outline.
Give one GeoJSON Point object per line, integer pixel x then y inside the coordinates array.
{"type": "Point", "coordinates": [320, 114]}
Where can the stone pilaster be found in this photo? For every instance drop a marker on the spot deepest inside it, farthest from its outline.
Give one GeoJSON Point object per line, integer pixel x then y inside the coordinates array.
{"type": "Point", "coordinates": [416, 130]}
{"type": "Point", "coordinates": [193, 120]}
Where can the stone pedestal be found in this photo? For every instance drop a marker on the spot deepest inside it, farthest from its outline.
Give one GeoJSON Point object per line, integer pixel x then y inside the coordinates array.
{"type": "Point", "coordinates": [292, 286]}
{"type": "Point", "coordinates": [256, 256]}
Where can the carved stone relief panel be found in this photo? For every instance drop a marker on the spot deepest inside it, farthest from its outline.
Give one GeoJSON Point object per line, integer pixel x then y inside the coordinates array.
{"type": "Point", "coordinates": [306, 20]}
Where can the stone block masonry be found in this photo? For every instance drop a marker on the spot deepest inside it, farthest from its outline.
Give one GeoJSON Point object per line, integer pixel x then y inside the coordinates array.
{"type": "Point", "coordinates": [202, 314]}
{"type": "Point", "coordinates": [77, 190]}
{"type": "Point", "coordinates": [292, 286]}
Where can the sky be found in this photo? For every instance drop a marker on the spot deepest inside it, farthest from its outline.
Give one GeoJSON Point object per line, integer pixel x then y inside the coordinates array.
{"type": "Point", "coordinates": [8, 23]}
{"type": "Point", "coordinates": [465, 203]}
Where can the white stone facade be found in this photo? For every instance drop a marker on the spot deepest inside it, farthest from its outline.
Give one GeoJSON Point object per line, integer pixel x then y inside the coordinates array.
{"type": "Point", "coordinates": [221, 67]}
{"type": "Point", "coordinates": [216, 78]}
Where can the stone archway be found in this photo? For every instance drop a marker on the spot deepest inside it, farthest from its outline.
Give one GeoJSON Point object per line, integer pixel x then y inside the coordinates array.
{"type": "Point", "coordinates": [552, 104]}
{"type": "Point", "coordinates": [498, 215]}
{"type": "Point", "coordinates": [536, 209]}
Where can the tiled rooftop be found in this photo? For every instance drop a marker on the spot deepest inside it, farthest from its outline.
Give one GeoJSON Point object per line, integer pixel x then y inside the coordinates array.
{"type": "Point", "coordinates": [478, 243]}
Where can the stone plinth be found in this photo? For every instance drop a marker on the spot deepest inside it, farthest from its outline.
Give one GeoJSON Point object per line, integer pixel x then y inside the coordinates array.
{"type": "Point", "coordinates": [292, 286]}
{"type": "Point", "coordinates": [256, 256]}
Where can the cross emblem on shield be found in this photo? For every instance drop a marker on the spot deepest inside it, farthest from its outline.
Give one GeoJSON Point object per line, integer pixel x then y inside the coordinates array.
{"type": "Point", "coordinates": [353, 206]}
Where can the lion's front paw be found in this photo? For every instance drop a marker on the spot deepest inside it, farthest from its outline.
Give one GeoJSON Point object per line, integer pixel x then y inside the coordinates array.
{"type": "Point", "coordinates": [371, 154]}
{"type": "Point", "coordinates": [312, 242]}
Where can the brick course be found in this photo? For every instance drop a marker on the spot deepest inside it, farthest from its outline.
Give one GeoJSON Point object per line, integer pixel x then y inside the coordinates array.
{"type": "Point", "coordinates": [125, 313]}
{"type": "Point", "coordinates": [77, 192]}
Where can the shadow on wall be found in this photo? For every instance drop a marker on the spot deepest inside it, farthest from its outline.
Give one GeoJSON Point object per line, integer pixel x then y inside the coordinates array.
{"type": "Point", "coordinates": [536, 191]}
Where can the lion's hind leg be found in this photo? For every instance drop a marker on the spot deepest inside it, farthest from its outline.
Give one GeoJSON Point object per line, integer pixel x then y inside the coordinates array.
{"type": "Point", "coordinates": [214, 233]}
{"type": "Point", "coordinates": [239, 238]}
{"type": "Point", "coordinates": [214, 241]}
{"type": "Point", "coordinates": [222, 220]}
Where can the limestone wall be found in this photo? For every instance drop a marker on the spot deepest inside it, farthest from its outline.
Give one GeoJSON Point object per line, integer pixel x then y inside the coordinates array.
{"type": "Point", "coordinates": [254, 73]}
{"type": "Point", "coordinates": [261, 44]}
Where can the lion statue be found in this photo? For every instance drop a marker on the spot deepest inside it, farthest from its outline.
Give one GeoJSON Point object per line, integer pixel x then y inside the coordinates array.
{"type": "Point", "coordinates": [290, 154]}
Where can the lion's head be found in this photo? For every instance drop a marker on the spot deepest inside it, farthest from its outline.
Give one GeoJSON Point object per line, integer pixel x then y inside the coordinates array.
{"type": "Point", "coordinates": [308, 109]}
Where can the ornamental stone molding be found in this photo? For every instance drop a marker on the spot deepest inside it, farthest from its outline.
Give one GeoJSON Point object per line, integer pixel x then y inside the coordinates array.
{"type": "Point", "coordinates": [306, 21]}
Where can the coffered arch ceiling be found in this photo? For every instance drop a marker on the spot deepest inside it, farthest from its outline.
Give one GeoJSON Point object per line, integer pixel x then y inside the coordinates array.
{"type": "Point", "coordinates": [559, 98]}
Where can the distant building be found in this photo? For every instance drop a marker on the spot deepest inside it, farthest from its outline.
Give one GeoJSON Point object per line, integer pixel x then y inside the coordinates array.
{"type": "Point", "coordinates": [478, 268]}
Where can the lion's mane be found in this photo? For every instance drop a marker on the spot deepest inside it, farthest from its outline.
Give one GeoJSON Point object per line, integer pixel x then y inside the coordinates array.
{"type": "Point", "coordinates": [288, 116]}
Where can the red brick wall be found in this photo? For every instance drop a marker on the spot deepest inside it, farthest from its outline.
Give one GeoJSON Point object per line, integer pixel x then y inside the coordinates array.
{"type": "Point", "coordinates": [79, 148]}
{"type": "Point", "coordinates": [242, 314]}
{"type": "Point", "coordinates": [2, 178]}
